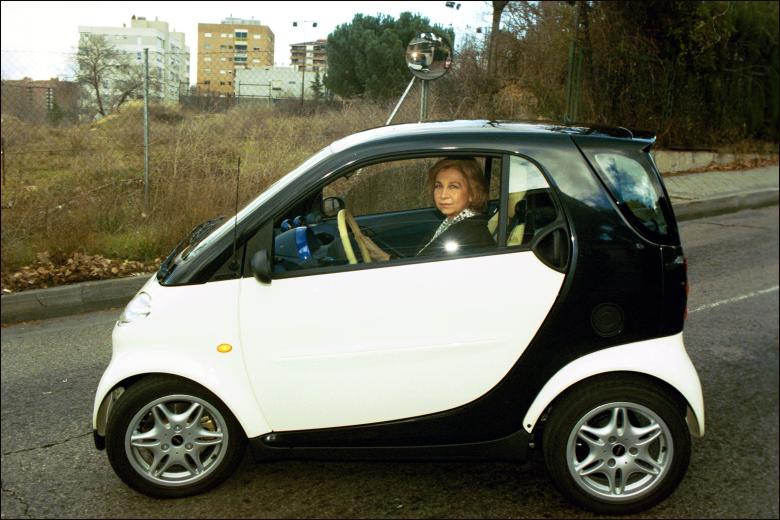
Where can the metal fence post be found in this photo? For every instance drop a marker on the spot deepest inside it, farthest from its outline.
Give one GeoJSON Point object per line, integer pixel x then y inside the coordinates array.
{"type": "Point", "coordinates": [146, 129]}
{"type": "Point", "coordinates": [2, 154]}
{"type": "Point", "coordinates": [573, 73]}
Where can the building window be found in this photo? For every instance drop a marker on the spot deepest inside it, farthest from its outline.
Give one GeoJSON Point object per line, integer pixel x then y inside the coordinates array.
{"type": "Point", "coordinates": [207, 46]}
{"type": "Point", "coordinates": [207, 82]}
{"type": "Point", "coordinates": [207, 58]}
{"type": "Point", "coordinates": [207, 71]}
{"type": "Point", "coordinates": [240, 59]}
{"type": "Point", "coordinates": [256, 36]}
{"type": "Point", "coordinates": [207, 35]}
{"type": "Point", "coordinates": [221, 71]}
{"type": "Point", "coordinates": [255, 60]}
{"type": "Point", "coordinates": [222, 83]}
{"type": "Point", "coordinates": [241, 35]}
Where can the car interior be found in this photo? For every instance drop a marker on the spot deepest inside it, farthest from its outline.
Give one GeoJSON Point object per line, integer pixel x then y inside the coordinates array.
{"type": "Point", "coordinates": [309, 236]}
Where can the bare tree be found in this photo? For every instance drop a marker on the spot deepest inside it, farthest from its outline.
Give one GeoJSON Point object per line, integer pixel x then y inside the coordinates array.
{"type": "Point", "coordinates": [109, 75]}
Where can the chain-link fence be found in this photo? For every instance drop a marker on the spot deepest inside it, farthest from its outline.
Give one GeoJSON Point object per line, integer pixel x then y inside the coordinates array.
{"type": "Point", "coordinates": [74, 173]}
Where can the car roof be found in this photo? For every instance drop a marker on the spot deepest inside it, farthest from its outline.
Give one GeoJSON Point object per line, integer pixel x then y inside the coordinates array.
{"type": "Point", "coordinates": [485, 125]}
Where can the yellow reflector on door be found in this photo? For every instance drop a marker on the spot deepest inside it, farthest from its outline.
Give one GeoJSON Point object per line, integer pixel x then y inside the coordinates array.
{"type": "Point", "coordinates": [224, 348]}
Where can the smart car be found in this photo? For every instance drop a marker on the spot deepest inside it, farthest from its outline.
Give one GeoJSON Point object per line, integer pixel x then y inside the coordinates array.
{"type": "Point", "coordinates": [279, 328]}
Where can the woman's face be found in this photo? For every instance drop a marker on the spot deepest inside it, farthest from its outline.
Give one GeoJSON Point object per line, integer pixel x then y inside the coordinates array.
{"type": "Point", "coordinates": [451, 192]}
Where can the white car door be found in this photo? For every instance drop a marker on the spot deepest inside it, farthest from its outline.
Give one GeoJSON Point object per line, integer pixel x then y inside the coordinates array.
{"type": "Point", "coordinates": [385, 343]}
{"type": "Point", "coordinates": [388, 342]}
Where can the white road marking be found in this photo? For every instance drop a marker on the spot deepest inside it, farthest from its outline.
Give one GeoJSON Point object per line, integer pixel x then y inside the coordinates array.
{"type": "Point", "coordinates": [735, 299]}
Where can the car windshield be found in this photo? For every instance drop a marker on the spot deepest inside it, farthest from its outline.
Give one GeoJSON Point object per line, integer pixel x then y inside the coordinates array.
{"type": "Point", "coordinates": [211, 231]}
{"type": "Point", "coordinates": [184, 248]}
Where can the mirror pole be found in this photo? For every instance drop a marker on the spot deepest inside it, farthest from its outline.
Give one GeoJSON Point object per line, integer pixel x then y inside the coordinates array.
{"type": "Point", "coordinates": [424, 101]}
{"type": "Point", "coordinates": [395, 110]}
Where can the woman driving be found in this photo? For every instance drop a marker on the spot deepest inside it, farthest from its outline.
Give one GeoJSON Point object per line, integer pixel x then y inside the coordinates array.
{"type": "Point", "coordinates": [458, 190]}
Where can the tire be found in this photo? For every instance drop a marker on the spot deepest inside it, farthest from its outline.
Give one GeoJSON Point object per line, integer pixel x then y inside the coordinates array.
{"type": "Point", "coordinates": [168, 437]}
{"type": "Point", "coordinates": [599, 463]}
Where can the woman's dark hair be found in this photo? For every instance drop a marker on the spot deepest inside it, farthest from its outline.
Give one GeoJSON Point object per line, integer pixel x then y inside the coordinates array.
{"type": "Point", "coordinates": [471, 170]}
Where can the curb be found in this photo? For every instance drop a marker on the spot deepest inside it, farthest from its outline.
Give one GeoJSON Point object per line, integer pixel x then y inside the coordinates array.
{"type": "Point", "coordinates": [41, 304]}
{"type": "Point", "coordinates": [725, 204]}
{"type": "Point", "coordinates": [66, 300]}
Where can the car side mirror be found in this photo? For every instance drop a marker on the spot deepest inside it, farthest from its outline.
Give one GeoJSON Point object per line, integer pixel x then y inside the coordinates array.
{"type": "Point", "coordinates": [261, 266]}
{"type": "Point", "coordinates": [332, 205]}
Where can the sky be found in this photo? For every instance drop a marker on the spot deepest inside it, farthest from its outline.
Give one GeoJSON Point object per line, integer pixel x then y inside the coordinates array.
{"type": "Point", "coordinates": [39, 38]}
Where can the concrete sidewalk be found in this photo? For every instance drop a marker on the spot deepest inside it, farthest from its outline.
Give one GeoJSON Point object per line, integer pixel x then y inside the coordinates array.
{"type": "Point", "coordinates": [693, 195]}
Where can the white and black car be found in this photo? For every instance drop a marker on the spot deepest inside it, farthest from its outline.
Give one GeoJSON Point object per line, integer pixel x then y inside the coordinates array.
{"type": "Point", "coordinates": [278, 329]}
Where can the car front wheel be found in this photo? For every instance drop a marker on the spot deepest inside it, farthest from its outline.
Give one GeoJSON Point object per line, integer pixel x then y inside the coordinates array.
{"type": "Point", "coordinates": [617, 446]}
{"type": "Point", "coordinates": [168, 437]}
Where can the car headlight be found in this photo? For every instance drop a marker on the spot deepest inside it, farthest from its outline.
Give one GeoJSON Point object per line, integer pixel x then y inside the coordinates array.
{"type": "Point", "coordinates": [139, 307]}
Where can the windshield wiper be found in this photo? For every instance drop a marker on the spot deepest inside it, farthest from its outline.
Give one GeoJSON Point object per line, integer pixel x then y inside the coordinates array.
{"type": "Point", "coordinates": [200, 232]}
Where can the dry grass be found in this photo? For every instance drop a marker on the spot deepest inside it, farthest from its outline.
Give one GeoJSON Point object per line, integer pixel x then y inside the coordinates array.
{"type": "Point", "coordinates": [81, 188]}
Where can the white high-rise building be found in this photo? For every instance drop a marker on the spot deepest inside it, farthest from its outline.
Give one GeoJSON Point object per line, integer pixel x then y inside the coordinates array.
{"type": "Point", "coordinates": [169, 57]}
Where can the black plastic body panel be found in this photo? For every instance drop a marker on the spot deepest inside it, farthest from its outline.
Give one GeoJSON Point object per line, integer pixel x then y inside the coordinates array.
{"type": "Point", "coordinates": [513, 448]}
{"type": "Point", "coordinates": [99, 440]}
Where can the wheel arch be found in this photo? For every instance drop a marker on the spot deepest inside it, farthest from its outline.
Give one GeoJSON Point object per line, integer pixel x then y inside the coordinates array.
{"type": "Point", "coordinates": [662, 361]}
{"type": "Point", "coordinates": [117, 389]}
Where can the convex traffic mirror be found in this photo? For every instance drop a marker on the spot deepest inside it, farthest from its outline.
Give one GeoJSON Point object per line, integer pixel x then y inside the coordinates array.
{"type": "Point", "coordinates": [428, 56]}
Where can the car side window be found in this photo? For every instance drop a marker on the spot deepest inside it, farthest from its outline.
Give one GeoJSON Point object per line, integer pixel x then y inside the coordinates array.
{"type": "Point", "coordinates": [530, 206]}
{"type": "Point", "coordinates": [385, 212]}
{"type": "Point", "coordinates": [631, 185]}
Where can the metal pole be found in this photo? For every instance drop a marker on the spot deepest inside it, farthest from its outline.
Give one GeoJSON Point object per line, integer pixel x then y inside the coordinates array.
{"type": "Point", "coordinates": [424, 101]}
{"type": "Point", "coordinates": [303, 75]}
{"type": "Point", "coordinates": [568, 117]}
{"type": "Point", "coordinates": [303, 70]}
{"type": "Point", "coordinates": [576, 87]}
{"type": "Point", "coordinates": [146, 129]}
{"type": "Point", "coordinates": [2, 153]}
{"type": "Point", "coordinates": [397, 106]}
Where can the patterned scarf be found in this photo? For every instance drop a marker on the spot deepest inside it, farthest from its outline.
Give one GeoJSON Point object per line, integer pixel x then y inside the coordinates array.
{"type": "Point", "coordinates": [445, 225]}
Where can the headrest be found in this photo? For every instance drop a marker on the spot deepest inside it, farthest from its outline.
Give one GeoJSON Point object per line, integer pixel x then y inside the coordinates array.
{"type": "Point", "coordinates": [514, 200]}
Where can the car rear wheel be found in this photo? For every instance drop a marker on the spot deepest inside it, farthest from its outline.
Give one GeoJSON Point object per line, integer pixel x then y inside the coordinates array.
{"type": "Point", "coordinates": [168, 437]}
{"type": "Point", "coordinates": [617, 446]}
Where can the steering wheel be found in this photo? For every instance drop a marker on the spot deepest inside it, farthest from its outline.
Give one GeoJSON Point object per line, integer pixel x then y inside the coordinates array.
{"type": "Point", "coordinates": [345, 219]}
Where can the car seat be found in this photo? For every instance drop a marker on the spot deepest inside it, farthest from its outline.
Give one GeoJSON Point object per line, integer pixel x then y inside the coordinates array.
{"type": "Point", "coordinates": [529, 211]}
{"type": "Point", "coordinates": [517, 218]}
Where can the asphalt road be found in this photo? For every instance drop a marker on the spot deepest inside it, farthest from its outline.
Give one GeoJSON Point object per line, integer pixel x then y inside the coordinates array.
{"type": "Point", "coordinates": [50, 468]}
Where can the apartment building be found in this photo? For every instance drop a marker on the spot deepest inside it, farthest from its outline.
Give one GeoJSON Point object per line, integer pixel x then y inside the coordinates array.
{"type": "Point", "coordinates": [169, 56]}
{"type": "Point", "coordinates": [311, 55]}
{"type": "Point", "coordinates": [226, 47]}
{"type": "Point", "coordinates": [40, 101]}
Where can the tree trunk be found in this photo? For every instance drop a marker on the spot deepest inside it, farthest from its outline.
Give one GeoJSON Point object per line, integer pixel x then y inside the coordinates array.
{"type": "Point", "coordinates": [96, 85]}
{"type": "Point", "coordinates": [498, 8]}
